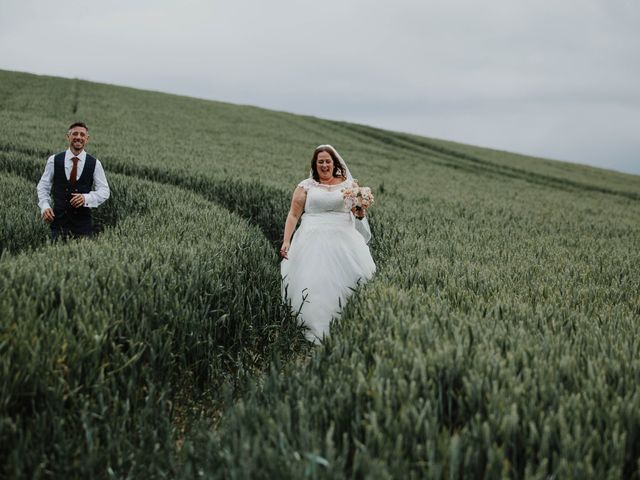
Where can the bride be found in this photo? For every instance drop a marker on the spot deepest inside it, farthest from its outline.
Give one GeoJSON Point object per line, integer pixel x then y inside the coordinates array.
{"type": "Point", "coordinates": [328, 255]}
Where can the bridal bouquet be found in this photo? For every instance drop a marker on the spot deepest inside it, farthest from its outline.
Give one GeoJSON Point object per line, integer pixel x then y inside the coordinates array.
{"type": "Point", "coordinates": [358, 197]}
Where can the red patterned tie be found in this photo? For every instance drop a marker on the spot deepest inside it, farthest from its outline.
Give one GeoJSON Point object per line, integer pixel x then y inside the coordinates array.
{"type": "Point", "coordinates": [74, 171]}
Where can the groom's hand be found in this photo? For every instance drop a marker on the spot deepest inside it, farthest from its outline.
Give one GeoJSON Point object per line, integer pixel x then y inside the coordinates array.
{"type": "Point", "coordinates": [48, 215]}
{"type": "Point", "coordinates": [77, 200]}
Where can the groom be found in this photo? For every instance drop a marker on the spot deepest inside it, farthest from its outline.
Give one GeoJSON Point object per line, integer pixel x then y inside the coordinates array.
{"type": "Point", "coordinates": [77, 183]}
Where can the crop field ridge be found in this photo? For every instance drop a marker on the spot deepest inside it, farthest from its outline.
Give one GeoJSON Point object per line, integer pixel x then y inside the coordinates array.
{"type": "Point", "coordinates": [498, 338]}
{"type": "Point", "coordinates": [233, 194]}
{"type": "Point", "coordinates": [474, 164]}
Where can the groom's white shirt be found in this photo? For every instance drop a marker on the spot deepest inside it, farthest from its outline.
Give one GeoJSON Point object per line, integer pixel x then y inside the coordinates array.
{"type": "Point", "coordinates": [92, 199]}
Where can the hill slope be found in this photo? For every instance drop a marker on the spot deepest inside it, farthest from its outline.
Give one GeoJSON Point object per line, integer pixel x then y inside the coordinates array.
{"type": "Point", "coordinates": [498, 337]}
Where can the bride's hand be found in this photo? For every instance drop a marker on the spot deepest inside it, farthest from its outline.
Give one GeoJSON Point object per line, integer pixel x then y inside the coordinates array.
{"type": "Point", "coordinates": [359, 213]}
{"type": "Point", "coordinates": [284, 250]}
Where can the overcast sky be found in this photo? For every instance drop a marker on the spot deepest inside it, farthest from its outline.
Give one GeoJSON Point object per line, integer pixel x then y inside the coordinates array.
{"type": "Point", "coordinates": [558, 79]}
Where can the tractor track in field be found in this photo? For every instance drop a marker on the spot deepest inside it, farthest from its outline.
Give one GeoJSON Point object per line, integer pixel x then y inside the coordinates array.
{"type": "Point", "coordinates": [450, 158]}
{"type": "Point", "coordinates": [245, 199]}
{"type": "Point", "coordinates": [441, 156]}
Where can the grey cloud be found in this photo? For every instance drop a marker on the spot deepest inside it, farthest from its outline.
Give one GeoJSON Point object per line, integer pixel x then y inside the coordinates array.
{"type": "Point", "coordinates": [504, 74]}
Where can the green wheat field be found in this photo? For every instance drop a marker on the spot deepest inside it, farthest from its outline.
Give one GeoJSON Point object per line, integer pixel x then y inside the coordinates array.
{"type": "Point", "coordinates": [498, 339]}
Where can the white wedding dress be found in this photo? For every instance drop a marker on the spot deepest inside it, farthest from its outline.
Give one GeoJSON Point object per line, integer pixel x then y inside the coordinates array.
{"type": "Point", "coordinates": [327, 259]}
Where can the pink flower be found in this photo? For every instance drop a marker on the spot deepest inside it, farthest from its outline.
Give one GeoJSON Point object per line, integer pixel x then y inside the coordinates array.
{"type": "Point", "coordinates": [358, 197]}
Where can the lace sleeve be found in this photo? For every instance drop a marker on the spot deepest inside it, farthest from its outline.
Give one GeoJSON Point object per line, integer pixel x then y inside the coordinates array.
{"type": "Point", "coordinates": [306, 184]}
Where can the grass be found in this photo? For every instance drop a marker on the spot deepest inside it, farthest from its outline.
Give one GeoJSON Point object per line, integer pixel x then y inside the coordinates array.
{"type": "Point", "coordinates": [496, 340]}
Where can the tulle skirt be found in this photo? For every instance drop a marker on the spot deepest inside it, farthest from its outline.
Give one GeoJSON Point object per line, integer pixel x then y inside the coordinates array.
{"type": "Point", "coordinates": [328, 258]}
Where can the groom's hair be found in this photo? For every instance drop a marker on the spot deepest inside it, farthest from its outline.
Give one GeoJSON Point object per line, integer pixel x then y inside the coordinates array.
{"type": "Point", "coordinates": [338, 171]}
{"type": "Point", "coordinates": [78, 124]}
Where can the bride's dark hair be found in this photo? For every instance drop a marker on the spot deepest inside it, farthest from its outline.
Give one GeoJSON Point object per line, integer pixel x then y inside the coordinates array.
{"type": "Point", "coordinates": [338, 171]}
